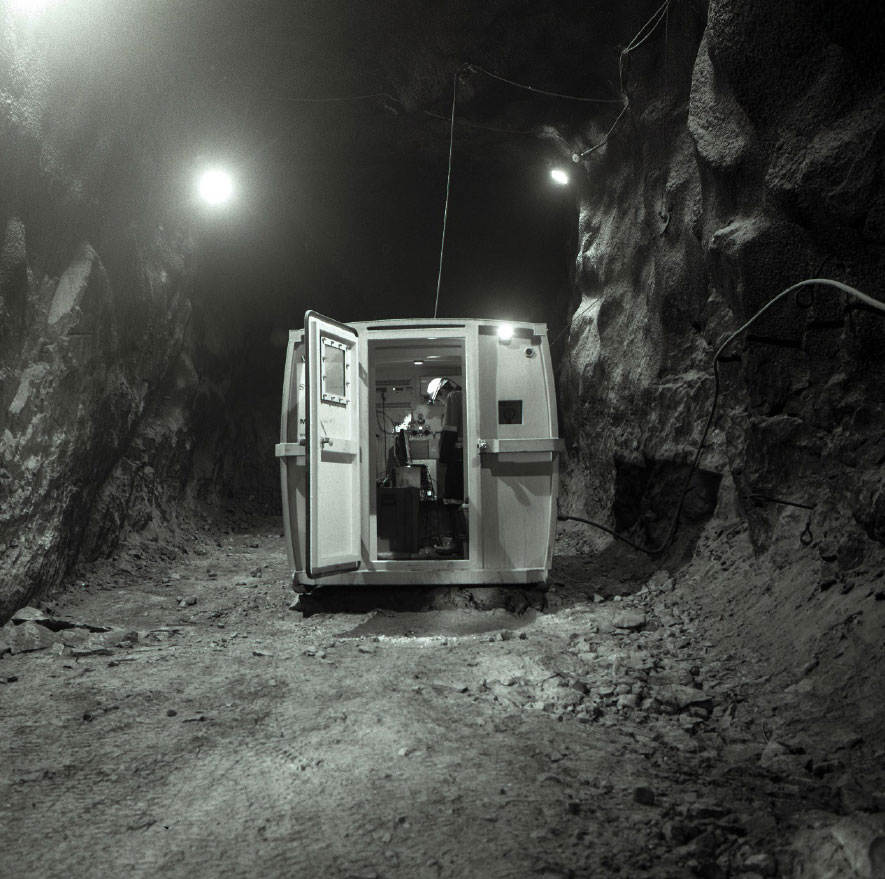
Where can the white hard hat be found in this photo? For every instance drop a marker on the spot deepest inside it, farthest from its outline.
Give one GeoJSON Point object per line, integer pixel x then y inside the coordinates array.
{"type": "Point", "coordinates": [434, 386]}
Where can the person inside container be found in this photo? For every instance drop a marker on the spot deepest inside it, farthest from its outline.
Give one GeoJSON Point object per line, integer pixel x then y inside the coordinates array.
{"type": "Point", "coordinates": [451, 456]}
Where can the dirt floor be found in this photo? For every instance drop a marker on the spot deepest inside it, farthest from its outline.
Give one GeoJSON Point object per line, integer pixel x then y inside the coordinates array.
{"type": "Point", "coordinates": [170, 714]}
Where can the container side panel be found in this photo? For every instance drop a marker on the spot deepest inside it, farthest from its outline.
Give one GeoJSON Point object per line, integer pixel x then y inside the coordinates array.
{"type": "Point", "coordinates": [554, 431]}
{"type": "Point", "coordinates": [517, 488]}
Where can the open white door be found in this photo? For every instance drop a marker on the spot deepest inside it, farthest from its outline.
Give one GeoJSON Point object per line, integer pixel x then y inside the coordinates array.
{"type": "Point", "coordinates": [333, 452]}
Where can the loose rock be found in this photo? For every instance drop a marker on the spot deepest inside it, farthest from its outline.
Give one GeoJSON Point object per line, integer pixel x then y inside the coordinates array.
{"type": "Point", "coordinates": [26, 614]}
{"type": "Point", "coordinates": [645, 796]}
{"type": "Point", "coordinates": [631, 620]}
{"type": "Point", "coordinates": [25, 638]}
{"type": "Point", "coordinates": [761, 863]}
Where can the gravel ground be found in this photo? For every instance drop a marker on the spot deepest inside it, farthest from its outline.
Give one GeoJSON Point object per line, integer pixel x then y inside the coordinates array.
{"type": "Point", "coordinates": [170, 714]}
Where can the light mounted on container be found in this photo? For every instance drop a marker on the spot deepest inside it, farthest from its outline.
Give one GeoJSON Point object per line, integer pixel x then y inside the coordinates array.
{"type": "Point", "coordinates": [505, 332]}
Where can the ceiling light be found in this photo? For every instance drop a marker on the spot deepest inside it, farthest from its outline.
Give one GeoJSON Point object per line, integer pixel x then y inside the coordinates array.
{"type": "Point", "coordinates": [559, 176]}
{"type": "Point", "coordinates": [505, 332]}
{"type": "Point", "coordinates": [419, 363]}
{"type": "Point", "coordinates": [216, 186]}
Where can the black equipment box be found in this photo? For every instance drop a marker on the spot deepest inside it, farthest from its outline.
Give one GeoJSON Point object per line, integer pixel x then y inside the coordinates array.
{"type": "Point", "coordinates": [398, 519]}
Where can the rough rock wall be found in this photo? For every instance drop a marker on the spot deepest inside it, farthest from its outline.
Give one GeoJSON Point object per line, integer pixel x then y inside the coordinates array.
{"type": "Point", "coordinates": [82, 368]}
{"type": "Point", "coordinates": [112, 390]}
{"type": "Point", "coordinates": [754, 162]}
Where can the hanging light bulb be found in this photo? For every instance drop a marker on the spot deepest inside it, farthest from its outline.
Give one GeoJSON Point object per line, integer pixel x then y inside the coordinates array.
{"type": "Point", "coordinates": [216, 186]}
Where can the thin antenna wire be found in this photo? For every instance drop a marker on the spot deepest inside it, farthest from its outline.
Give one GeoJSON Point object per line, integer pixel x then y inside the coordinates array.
{"type": "Point", "coordinates": [442, 245]}
{"type": "Point", "coordinates": [483, 127]}
{"type": "Point", "coordinates": [531, 88]}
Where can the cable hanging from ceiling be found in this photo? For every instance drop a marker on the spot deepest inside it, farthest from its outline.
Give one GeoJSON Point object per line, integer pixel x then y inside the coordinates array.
{"type": "Point", "coordinates": [474, 68]}
{"type": "Point", "coordinates": [388, 97]}
{"type": "Point", "coordinates": [442, 245]}
{"type": "Point", "coordinates": [578, 157]}
{"type": "Point", "coordinates": [641, 36]}
{"type": "Point", "coordinates": [482, 127]}
{"type": "Point", "coordinates": [659, 15]}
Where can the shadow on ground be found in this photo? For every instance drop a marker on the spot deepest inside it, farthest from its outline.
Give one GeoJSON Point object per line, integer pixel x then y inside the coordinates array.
{"type": "Point", "coordinates": [446, 623]}
{"type": "Point", "coordinates": [414, 599]}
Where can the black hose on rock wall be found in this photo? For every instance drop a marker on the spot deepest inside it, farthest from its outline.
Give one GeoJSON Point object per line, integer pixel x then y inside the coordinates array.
{"type": "Point", "coordinates": [671, 532]}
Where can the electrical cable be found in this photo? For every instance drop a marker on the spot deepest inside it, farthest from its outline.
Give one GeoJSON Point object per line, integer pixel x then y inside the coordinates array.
{"type": "Point", "coordinates": [621, 537]}
{"type": "Point", "coordinates": [380, 424]}
{"type": "Point", "coordinates": [764, 498]}
{"type": "Point", "coordinates": [845, 288]}
{"type": "Point", "coordinates": [660, 14]}
{"type": "Point", "coordinates": [531, 88]}
{"type": "Point", "coordinates": [826, 282]}
{"type": "Point", "coordinates": [657, 17]}
{"type": "Point", "coordinates": [630, 49]}
{"type": "Point", "coordinates": [636, 42]}
{"type": "Point", "coordinates": [578, 157]}
{"type": "Point", "coordinates": [442, 245]}
{"type": "Point", "coordinates": [396, 100]}
{"type": "Point", "coordinates": [571, 321]}
{"type": "Point", "coordinates": [663, 213]}
{"type": "Point", "coordinates": [483, 127]}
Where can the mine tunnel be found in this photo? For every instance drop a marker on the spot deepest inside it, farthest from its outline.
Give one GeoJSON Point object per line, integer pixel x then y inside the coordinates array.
{"type": "Point", "coordinates": [669, 214]}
